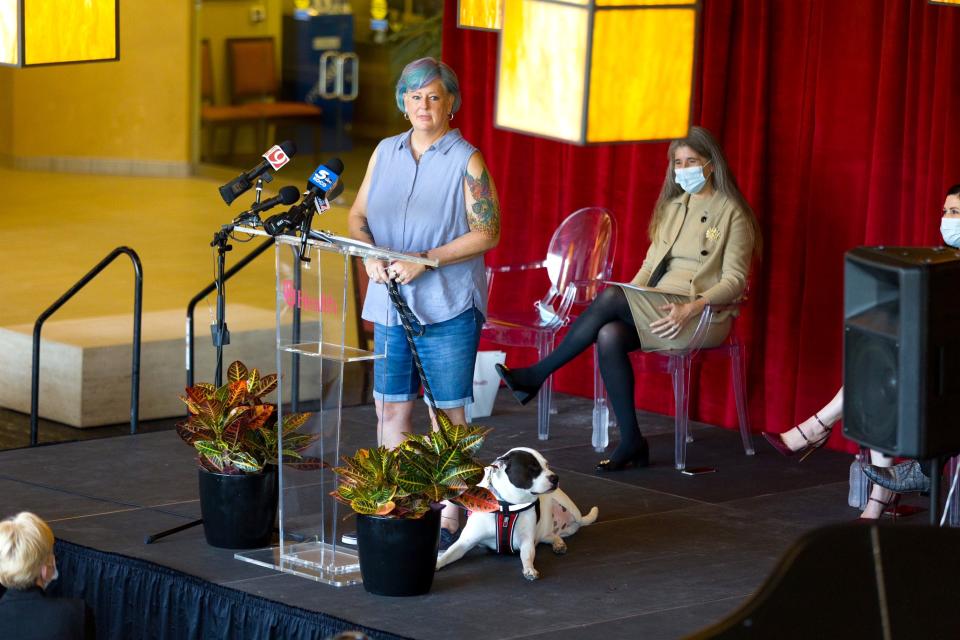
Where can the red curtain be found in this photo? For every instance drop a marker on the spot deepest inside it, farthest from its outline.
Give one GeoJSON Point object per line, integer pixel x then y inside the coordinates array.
{"type": "Point", "coordinates": [835, 116]}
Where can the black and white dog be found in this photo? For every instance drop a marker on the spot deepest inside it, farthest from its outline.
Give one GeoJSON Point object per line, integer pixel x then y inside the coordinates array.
{"type": "Point", "coordinates": [532, 510]}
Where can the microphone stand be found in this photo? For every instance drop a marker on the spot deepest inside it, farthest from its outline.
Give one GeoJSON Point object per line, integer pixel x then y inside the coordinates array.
{"type": "Point", "coordinates": [219, 332]}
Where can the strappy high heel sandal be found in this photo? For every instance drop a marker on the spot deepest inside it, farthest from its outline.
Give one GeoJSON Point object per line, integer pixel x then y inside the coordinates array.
{"type": "Point", "coordinates": [890, 506]}
{"type": "Point", "coordinates": [776, 440]}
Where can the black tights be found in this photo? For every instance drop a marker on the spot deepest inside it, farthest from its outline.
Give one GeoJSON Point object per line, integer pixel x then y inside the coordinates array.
{"type": "Point", "coordinates": [608, 323]}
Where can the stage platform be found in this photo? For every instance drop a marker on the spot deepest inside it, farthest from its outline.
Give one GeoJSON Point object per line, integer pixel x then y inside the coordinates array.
{"type": "Point", "coordinates": [669, 554]}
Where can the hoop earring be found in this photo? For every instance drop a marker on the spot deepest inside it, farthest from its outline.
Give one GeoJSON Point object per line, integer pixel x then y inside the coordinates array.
{"type": "Point", "coordinates": [451, 115]}
{"type": "Point", "coordinates": [405, 116]}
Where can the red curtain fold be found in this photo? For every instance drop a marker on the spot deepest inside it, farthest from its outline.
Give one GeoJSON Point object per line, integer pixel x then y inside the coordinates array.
{"type": "Point", "coordinates": [835, 116]}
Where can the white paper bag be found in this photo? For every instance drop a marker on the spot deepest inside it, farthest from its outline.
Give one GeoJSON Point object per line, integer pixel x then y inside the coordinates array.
{"type": "Point", "coordinates": [485, 384]}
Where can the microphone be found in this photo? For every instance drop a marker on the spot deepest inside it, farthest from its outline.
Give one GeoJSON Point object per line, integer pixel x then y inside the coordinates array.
{"type": "Point", "coordinates": [275, 157]}
{"type": "Point", "coordinates": [288, 195]}
{"type": "Point", "coordinates": [277, 224]}
{"type": "Point", "coordinates": [326, 175]}
{"type": "Point", "coordinates": [324, 184]}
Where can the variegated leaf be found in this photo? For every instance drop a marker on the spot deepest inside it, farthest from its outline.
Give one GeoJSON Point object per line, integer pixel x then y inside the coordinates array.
{"type": "Point", "coordinates": [185, 432]}
{"type": "Point", "coordinates": [222, 393]}
{"type": "Point", "coordinates": [214, 463]}
{"type": "Point", "coordinates": [253, 378]}
{"type": "Point", "coordinates": [307, 463]}
{"type": "Point", "coordinates": [267, 384]}
{"type": "Point", "coordinates": [207, 448]}
{"type": "Point", "coordinates": [300, 441]}
{"type": "Point", "coordinates": [207, 387]}
{"type": "Point", "coordinates": [435, 493]}
{"type": "Point", "coordinates": [245, 462]}
{"type": "Point", "coordinates": [371, 508]}
{"type": "Point", "coordinates": [470, 473]}
{"type": "Point", "coordinates": [478, 499]}
{"type": "Point", "coordinates": [443, 420]}
{"type": "Point", "coordinates": [293, 421]}
{"type": "Point", "coordinates": [410, 485]}
{"type": "Point", "coordinates": [197, 393]}
{"type": "Point", "coordinates": [238, 388]}
{"type": "Point", "coordinates": [236, 371]}
{"type": "Point", "coordinates": [192, 406]}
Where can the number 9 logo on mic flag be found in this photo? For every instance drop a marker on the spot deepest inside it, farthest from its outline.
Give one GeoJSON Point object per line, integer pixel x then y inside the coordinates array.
{"type": "Point", "coordinates": [276, 156]}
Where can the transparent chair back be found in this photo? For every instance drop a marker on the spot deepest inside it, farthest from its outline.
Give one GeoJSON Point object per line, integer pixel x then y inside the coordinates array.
{"type": "Point", "coordinates": [579, 257]}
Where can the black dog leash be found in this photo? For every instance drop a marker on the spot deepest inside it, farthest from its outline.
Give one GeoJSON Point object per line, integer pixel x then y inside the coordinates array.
{"type": "Point", "coordinates": [408, 320]}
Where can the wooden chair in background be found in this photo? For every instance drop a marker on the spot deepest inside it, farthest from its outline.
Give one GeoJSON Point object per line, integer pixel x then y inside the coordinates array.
{"type": "Point", "coordinates": [254, 82]}
{"type": "Point", "coordinates": [214, 117]}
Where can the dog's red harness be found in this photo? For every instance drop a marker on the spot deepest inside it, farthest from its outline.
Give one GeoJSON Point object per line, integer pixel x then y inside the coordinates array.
{"type": "Point", "coordinates": [507, 521]}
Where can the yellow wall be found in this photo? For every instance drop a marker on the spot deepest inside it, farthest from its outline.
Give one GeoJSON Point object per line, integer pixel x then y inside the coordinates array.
{"type": "Point", "coordinates": [137, 108]}
{"type": "Point", "coordinates": [6, 112]}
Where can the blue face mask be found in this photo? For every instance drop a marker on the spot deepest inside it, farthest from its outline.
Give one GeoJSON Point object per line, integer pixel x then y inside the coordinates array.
{"type": "Point", "coordinates": [691, 179]}
{"type": "Point", "coordinates": [950, 230]}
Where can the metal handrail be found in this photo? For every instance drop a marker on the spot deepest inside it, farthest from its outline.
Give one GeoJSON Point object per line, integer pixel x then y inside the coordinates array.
{"type": "Point", "coordinates": [135, 366]}
{"type": "Point", "coordinates": [191, 307]}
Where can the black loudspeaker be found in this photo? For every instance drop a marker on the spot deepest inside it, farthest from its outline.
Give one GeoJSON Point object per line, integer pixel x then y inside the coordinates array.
{"type": "Point", "coordinates": [855, 581]}
{"type": "Point", "coordinates": [901, 350]}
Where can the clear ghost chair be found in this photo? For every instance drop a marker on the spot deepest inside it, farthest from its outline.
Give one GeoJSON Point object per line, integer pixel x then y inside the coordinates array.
{"type": "Point", "coordinates": [579, 257]}
{"type": "Point", "coordinates": [678, 363]}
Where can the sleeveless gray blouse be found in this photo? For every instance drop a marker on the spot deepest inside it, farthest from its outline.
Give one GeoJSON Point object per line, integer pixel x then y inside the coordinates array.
{"type": "Point", "coordinates": [414, 207]}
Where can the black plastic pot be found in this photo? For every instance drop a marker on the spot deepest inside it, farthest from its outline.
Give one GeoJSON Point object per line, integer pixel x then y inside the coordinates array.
{"type": "Point", "coordinates": [398, 556]}
{"type": "Point", "coordinates": [239, 511]}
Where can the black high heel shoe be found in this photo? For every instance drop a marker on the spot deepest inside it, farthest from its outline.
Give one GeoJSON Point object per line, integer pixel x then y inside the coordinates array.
{"type": "Point", "coordinates": [640, 458]}
{"type": "Point", "coordinates": [522, 393]}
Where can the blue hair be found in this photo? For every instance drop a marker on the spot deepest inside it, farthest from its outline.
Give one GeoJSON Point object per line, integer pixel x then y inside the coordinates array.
{"type": "Point", "coordinates": [422, 72]}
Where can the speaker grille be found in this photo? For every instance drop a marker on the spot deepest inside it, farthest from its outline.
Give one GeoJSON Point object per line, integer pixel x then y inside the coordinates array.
{"type": "Point", "coordinates": [871, 393]}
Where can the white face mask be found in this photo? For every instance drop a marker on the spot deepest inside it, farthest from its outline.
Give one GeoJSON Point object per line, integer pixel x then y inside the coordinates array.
{"type": "Point", "coordinates": [691, 179]}
{"type": "Point", "coordinates": [56, 574]}
{"type": "Point", "coordinates": [950, 230]}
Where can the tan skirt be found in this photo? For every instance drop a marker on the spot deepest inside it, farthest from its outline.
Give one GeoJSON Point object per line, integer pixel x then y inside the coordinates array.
{"type": "Point", "coordinates": [644, 305]}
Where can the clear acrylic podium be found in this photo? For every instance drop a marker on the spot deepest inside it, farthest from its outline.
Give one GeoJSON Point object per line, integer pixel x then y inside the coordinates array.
{"type": "Point", "coordinates": [313, 349]}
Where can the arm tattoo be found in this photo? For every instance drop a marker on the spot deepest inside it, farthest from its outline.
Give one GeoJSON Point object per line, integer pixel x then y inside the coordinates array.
{"type": "Point", "coordinates": [484, 214]}
{"type": "Point", "coordinates": [365, 228]}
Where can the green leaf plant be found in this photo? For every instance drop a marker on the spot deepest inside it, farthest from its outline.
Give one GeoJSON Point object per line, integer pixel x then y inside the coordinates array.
{"type": "Point", "coordinates": [234, 431]}
{"type": "Point", "coordinates": [424, 470]}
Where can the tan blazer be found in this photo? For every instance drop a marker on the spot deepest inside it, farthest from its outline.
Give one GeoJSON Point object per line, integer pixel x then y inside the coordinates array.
{"type": "Point", "coordinates": [727, 244]}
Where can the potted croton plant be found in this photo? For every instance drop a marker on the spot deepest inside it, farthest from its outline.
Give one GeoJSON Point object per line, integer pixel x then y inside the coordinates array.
{"type": "Point", "coordinates": [235, 433]}
{"type": "Point", "coordinates": [397, 495]}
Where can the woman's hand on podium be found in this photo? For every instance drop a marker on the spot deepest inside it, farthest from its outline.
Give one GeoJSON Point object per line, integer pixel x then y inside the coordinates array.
{"type": "Point", "coordinates": [377, 270]}
{"type": "Point", "coordinates": [405, 272]}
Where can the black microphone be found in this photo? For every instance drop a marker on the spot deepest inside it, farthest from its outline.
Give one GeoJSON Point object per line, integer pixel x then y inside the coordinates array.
{"type": "Point", "coordinates": [277, 224]}
{"type": "Point", "coordinates": [288, 195]}
{"type": "Point", "coordinates": [325, 178]}
{"type": "Point", "coordinates": [275, 157]}
{"type": "Point", "coordinates": [324, 184]}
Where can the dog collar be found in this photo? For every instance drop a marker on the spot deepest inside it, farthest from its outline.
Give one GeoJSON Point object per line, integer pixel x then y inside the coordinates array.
{"type": "Point", "coordinates": [509, 507]}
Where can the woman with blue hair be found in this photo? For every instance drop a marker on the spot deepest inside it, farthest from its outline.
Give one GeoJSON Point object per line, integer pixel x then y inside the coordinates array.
{"type": "Point", "coordinates": [427, 191]}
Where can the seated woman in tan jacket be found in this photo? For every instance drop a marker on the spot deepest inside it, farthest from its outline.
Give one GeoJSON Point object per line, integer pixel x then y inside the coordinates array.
{"type": "Point", "coordinates": [703, 236]}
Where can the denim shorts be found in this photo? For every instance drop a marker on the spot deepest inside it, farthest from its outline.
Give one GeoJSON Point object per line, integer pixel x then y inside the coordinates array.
{"type": "Point", "coordinates": [448, 352]}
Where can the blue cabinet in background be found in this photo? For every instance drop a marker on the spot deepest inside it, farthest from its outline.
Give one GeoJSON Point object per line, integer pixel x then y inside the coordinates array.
{"type": "Point", "coordinates": [308, 40]}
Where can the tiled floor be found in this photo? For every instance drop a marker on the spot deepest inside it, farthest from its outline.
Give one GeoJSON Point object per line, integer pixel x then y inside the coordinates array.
{"type": "Point", "coordinates": [669, 553]}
